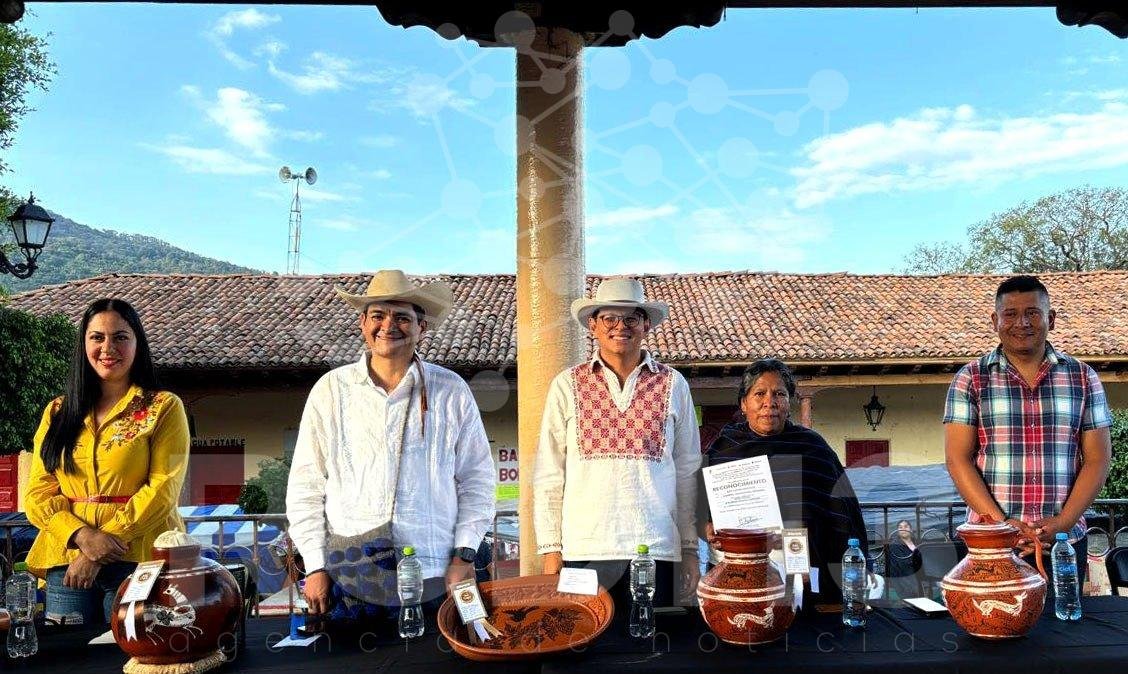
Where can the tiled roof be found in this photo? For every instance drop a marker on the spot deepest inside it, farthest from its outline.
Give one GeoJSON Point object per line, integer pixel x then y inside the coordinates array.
{"type": "Point", "coordinates": [270, 321]}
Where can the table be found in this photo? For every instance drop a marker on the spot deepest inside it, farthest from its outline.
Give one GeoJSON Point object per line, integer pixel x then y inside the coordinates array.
{"type": "Point", "coordinates": [894, 638]}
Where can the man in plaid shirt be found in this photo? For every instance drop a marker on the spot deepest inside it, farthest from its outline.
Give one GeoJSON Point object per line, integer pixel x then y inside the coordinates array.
{"type": "Point", "coordinates": [1027, 427]}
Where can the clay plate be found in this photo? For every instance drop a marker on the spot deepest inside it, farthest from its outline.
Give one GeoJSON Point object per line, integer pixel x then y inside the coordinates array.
{"type": "Point", "coordinates": [535, 619]}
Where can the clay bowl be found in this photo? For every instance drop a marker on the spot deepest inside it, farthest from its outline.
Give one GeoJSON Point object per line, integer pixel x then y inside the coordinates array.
{"type": "Point", "coordinates": [535, 619]}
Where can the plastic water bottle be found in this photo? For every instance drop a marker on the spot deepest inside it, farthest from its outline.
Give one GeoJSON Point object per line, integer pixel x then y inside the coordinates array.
{"type": "Point", "coordinates": [1067, 594]}
{"type": "Point", "coordinates": [853, 585]}
{"type": "Point", "coordinates": [409, 582]}
{"type": "Point", "coordinates": [642, 594]}
{"type": "Point", "coordinates": [19, 598]}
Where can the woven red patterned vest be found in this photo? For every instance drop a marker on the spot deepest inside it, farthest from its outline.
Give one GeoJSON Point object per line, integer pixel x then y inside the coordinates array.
{"type": "Point", "coordinates": [605, 432]}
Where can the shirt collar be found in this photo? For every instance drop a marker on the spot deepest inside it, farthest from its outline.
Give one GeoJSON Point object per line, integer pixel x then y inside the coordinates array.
{"type": "Point", "coordinates": [360, 372]}
{"type": "Point", "coordinates": [596, 362]}
{"type": "Point", "coordinates": [131, 394]}
{"type": "Point", "coordinates": [999, 359]}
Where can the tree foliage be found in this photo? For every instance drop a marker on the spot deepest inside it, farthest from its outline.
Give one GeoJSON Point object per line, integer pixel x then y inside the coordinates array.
{"type": "Point", "coordinates": [266, 492]}
{"type": "Point", "coordinates": [36, 356]}
{"type": "Point", "coordinates": [1082, 229]}
{"type": "Point", "coordinates": [1116, 486]}
{"type": "Point", "coordinates": [24, 65]}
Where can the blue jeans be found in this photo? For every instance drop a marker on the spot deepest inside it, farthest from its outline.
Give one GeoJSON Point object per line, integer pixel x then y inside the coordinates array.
{"type": "Point", "coordinates": [73, 606]}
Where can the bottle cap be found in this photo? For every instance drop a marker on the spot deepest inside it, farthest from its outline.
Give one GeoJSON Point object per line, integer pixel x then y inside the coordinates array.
{"type": "Point", "coordinates": [853, 543]}
{"type": "Point", "coordinates": [19, 566]}
{"type": "Point", "coordinates": [643, 549]}
{"type": "Point", "coordinates": [1061, 536]}
{"type": "Point", "coordinates": [408, 551]}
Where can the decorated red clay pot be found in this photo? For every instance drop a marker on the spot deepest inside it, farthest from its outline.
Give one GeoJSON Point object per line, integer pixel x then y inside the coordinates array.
{"type": "Point", "coordinates": [992, 593]}
{"type": "Point", "coordinates": [743, 599]}
{"type": "Point", "coordinates": [189, 616]}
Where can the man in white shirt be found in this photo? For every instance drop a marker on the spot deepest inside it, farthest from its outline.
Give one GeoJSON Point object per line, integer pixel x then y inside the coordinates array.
{"type": "Point", "coordinates": [618, 453]}
{"type": "Point", "coordinates": [391, 444]}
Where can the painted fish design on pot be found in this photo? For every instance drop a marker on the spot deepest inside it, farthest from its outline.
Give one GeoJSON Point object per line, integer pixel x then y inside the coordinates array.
{"type": "Point", "coordinates": [987, 606]}
{"type": "Point", "coordinates": [741, 620]}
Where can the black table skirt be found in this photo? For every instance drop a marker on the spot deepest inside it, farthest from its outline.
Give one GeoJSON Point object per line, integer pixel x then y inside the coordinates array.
{"type": "Point", "coordinates": [894, 637]}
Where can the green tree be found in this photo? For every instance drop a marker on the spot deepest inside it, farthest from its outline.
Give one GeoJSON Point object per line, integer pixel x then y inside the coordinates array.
{"type": "Point", "coordinates": [24, 65]}
{"type": "Point", "coordinates": [1082, 229]}
{"type": "Point", "coordinates": [36, 356]}
{"type": "Point", "coordinates": [266, 492]}
{"type": "Point", "coordinates": [1116, 486]}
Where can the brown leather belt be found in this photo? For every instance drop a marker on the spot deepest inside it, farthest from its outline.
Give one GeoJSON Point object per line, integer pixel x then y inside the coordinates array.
{"type": "Point", "coordinates": [98, 498]}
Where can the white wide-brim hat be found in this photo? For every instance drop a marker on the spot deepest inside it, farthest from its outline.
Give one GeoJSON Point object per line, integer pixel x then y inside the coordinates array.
{"type": "Point", "coordinates": [392, 285]}
{"type": "Point", "coordinates": [619, 292]}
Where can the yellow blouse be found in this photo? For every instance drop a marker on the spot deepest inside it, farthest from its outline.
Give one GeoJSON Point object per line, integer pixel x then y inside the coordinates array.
{"type": "Point", "coordinates": [140, 451]}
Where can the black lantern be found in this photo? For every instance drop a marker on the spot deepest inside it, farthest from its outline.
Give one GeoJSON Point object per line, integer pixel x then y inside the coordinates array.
{"type": "Point", "coordinates": [874, 411]}
{"type": "Point", "coordinates": [30, 225]}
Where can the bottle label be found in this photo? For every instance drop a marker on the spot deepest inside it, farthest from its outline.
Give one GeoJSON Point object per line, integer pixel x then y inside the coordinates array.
{"type": "Point", "coordinates": [852, 575]}
{"type": "Point", "coordinates": [1070, 569]}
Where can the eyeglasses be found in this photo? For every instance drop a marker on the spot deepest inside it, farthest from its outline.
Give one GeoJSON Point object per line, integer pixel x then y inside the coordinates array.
{"type": "Point", "coordinates": [609, 321]}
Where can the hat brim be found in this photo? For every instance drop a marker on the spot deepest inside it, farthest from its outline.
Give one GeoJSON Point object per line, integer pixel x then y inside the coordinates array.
{"type": "Point", "coordinates": [436, 300]}
{"type": "Point", "coordinates": [583, 308]}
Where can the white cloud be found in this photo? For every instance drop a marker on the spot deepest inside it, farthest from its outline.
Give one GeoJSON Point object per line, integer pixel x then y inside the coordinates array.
{"type": "Point", "coordinates": [326, 72]}
{"type": "Point", "coordinates": [305, 136]}
{"type": "Point", "coordinates": [270, 49]}
{"type": "Point", "coordinates": [424, 96]}
{"type": "Point", "coordinates": [379, 174]}
{"type": "Point", "coordinates": [629, 215]}
{"type": "Point", "coordinates": [383, 140]}
{"type": "Point", "coordinates": [241, 115]}
{"type": "Point", "coordinates": [1105, 59]}
{"type": "Point", "coordinates": [942, 147]}
{"type": "Point", "coordinates": [768, 235]}
{"type": "Point", "coordinates": [313, 194]}
{"type": "Point", "coordinates": [209, 160]}
{"type": "Point", "coordinates": [226, 25]}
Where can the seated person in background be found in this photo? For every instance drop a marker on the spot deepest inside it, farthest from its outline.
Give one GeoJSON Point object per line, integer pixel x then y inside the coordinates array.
{"type": "Point", "coordinates": [810, 483]}
{"type": "Point", "coordinates": [903, 562]}
{"type": "Point", "coordinates": [98, 517]}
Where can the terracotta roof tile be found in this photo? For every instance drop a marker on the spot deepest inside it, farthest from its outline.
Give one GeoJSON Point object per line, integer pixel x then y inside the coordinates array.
{"type": "Point", "coordinates": [270, 321]}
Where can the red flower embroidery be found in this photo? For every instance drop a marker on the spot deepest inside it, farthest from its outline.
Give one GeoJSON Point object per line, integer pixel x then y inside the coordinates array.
{"type": "Point", "coordinates": [139, 415]}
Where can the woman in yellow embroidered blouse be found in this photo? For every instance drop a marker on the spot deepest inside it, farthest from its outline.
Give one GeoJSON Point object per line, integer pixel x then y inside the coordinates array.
{"type": "Point", "coordinates": [110, 458]}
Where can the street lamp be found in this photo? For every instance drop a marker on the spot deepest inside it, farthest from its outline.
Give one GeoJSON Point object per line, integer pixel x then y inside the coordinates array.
{"type": "Point", "coordinates": [874, 411]}
{"type": "Point", "coordinates": [30, 224]}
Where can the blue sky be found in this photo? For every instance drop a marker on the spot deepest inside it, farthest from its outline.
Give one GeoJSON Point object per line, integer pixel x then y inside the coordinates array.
{"type": "Point", "coordinates": [797, 141]}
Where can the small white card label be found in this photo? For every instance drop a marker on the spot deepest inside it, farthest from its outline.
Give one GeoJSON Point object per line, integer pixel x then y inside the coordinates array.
{"type": "Point", "coordinates": [142, 581]}
{"type": "Point", "coordinates": [926, 605]}
{"type": "Point", "coordinates": [468, 601]}
{"type": "Point", "coordinates": [796, 554]}
{"type": "Point", "coordinates": [578, 581]}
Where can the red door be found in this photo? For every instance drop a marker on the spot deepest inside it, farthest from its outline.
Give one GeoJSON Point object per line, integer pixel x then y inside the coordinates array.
{"type": "Point", "coordinates": [9, 482]}
{"type": "Point", "coordinates": [862, 453]}
{"type": "Point", "coordinates": [216, 472]}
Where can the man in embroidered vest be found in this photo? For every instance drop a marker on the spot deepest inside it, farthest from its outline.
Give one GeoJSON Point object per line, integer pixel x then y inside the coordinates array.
{"type": "Point", "coordinates": [393, 444]}
{"type": "Point", "coordinates": [618, 454]}
{"type": "Point", "coordinates": [1027, 427]}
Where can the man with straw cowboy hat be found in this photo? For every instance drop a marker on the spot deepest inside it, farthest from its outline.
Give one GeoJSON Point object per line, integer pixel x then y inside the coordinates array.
{"type": "Point", "coordinates": [391, 451]}
{"type": "Point", "coordinates": [618, 453]}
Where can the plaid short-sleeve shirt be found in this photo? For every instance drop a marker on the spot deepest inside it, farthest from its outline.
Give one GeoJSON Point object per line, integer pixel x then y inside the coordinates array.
{"type": "Point", "coordinates": [1029, 436]}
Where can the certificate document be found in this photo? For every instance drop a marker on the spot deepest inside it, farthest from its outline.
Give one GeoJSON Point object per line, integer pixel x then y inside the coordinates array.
{"type": "Point", "coordinates": [742, 495]}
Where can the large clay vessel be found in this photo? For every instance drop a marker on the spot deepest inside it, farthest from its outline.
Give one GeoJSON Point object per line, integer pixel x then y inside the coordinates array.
{"type": "Point", "coordinates": [992, 593]}
{"type": "Point", "coordinates": [189, 617]}
{"type": "Point", "coordinates": [743, 599]}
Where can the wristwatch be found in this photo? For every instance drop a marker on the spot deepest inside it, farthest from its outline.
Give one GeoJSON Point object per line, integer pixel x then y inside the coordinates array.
{"type": "Point", "coordinates": [466, 554]}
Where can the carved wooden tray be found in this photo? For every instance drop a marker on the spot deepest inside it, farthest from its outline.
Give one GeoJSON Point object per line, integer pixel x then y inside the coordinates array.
{"type": "Point", "coordinates": [535, 619]}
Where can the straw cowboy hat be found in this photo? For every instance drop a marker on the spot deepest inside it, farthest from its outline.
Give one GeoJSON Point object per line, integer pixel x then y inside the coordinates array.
{"type": "Point", "coordinates": [619, 292]}
{"type": "Point", "coordinates": [391, 285]}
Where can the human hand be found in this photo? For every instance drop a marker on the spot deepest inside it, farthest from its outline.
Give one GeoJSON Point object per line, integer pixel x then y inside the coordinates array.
{"type": "Point", "coordinates": [690, 576]}
{"type": "Point", "coordinates": [553, 562]}
{"type": "Point", "coordinates": [1048, 527]}
{"type": "Point", "coordinates": [99, 546]}
{"type": "Point", "coordinates": [316, 592]}
{"type": "Point", "coordinates": [458, 571]}
{"type": "Point", "coordinates": [710, 533]}
{"type": "Point", "coordinates": [1027, 536]}
{"type": "Point", "coordinates": [81, 573]}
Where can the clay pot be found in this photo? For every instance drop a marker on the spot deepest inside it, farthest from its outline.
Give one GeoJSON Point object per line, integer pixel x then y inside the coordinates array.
{"type": "Point", "coordinates": [190, 614]}
{"type": "Point", "coordinates": [992, 593]}
{"type": "Point", "coordinates": [535, 620]}
{"type": "Point", "coordinates": [743, 599]}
